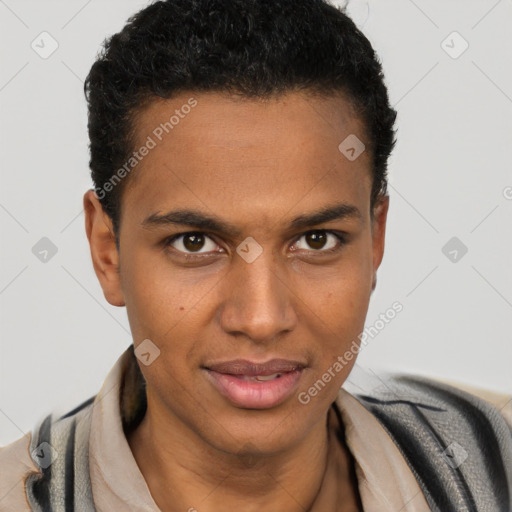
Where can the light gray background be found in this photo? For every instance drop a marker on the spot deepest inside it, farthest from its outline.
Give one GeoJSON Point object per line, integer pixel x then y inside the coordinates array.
{"type": "Point", "coordinates": [448, 177]}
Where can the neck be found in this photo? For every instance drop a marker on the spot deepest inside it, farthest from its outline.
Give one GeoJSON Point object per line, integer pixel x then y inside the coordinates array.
{"type": "Point", "coordinates": [184, 473]}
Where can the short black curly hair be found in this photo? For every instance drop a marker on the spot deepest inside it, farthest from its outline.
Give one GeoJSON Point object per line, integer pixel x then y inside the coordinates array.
{"type": "Point", "coordinates": [253, 48]}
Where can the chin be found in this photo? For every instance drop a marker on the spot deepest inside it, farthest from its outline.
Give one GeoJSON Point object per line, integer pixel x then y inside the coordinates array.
{"type": "Point", "coordinates": [266, 431]}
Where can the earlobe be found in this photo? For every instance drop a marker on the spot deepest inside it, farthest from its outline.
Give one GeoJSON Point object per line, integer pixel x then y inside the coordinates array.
{"type": "Point", "coordinates": [104, 253]}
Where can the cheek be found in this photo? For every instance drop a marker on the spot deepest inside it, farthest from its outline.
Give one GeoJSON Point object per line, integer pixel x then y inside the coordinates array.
{"type": "Point", "coordinates": [342, 296]}
{"type": "Point", "coordinates": [341, 303]}
{"type": "Point", "coordinates": [172, 308]}
{"type": "Point", "coordinates": [155, 301]}
{"type": "Point", "coordinates": [156, 288]}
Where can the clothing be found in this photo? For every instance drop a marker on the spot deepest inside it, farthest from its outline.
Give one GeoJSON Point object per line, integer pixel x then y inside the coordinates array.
{"type": "Point", "coordinates": [95, 468]}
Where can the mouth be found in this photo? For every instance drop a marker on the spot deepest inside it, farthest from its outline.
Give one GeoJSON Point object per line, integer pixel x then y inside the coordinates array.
{"type": "Point", "coordinates": [252, 385]}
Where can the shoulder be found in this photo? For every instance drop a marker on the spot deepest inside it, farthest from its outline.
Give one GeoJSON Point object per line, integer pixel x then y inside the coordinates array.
{"type": "Point", "coordinates": [458, 443]}
{"type": "Point", "coordinates": [48, 468]}
{"type": "Point", "coordinates": [448, 398]}
{"type": "Point", "coordinates": [475, 410]}
{"type": "Point", "coordinates": [444, 407]}
{"type": "Point", "coordinates": [501, 401]}
{"type": "Point", "coordinates": [37, 467]}
{"type": "Point", "coordinates": [16, 464]}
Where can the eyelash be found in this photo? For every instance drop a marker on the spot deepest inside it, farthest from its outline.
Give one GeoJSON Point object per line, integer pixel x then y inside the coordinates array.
{"type": "Point", "coordinates": [188, 256]}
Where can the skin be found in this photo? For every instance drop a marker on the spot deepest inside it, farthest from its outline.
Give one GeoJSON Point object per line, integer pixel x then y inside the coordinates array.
{"type": "Point", "coordinates": [256, 164]}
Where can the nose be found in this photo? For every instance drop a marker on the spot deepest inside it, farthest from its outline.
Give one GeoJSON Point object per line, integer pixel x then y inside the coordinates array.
{"type": "Point", "coordinates": [259, 303]}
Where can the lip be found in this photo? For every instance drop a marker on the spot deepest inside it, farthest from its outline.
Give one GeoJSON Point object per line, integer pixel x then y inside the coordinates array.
{"type": "Point", "coordinates": [235, 380]}
{"type": "Point", "coordinates": [251, 369]}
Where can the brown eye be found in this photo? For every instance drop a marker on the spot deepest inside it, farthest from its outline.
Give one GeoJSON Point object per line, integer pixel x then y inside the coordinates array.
{"type": "Point", "coordinates": [321, 241]}
{"type": "Point", "coordinates": [191, 243]}
{"type": "Point", "coordinates": [316, 239]}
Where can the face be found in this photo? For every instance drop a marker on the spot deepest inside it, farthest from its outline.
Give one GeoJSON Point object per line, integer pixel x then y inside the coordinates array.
{"type": "Point", "coordinates": [224, 268]}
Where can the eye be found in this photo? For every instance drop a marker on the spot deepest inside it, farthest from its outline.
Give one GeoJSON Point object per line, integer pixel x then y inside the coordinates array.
{"type": "Point", "coordinates": [190, 244]}
{"type": "Point", "coordinates": [192, 241]}
{"type": "Point", "coordinates": [318, 240]}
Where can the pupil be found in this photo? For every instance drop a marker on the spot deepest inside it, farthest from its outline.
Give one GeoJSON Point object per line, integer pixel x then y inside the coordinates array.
{"type": "Point", "coordinates": [316, 239]}
{"type": "Point", "coordinates": [198, 242]}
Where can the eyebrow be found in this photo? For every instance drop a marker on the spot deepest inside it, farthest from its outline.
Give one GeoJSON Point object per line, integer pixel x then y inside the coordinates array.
{"type": "Point", "coordinates": [200, 220]}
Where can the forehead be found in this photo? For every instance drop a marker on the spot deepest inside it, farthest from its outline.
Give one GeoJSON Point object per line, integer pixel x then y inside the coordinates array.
{"type": "Point", "coordinates": [219, 118]}
{"type": "Point", "coordinates": [212, 150]}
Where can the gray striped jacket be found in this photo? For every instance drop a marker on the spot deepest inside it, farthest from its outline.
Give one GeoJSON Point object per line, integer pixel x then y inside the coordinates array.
{"type": "Point", "coordinates": [458, 446]}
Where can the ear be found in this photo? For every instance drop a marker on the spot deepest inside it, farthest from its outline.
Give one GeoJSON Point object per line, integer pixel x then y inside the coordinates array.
{"type": "Point", "coordinates": [104, 254]}
{"type": "Point", "coordinates": [380, 214]}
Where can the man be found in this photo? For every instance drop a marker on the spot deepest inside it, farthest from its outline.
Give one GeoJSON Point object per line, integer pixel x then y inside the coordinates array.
{"type": "Point", "coordinates": [239, 152]}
